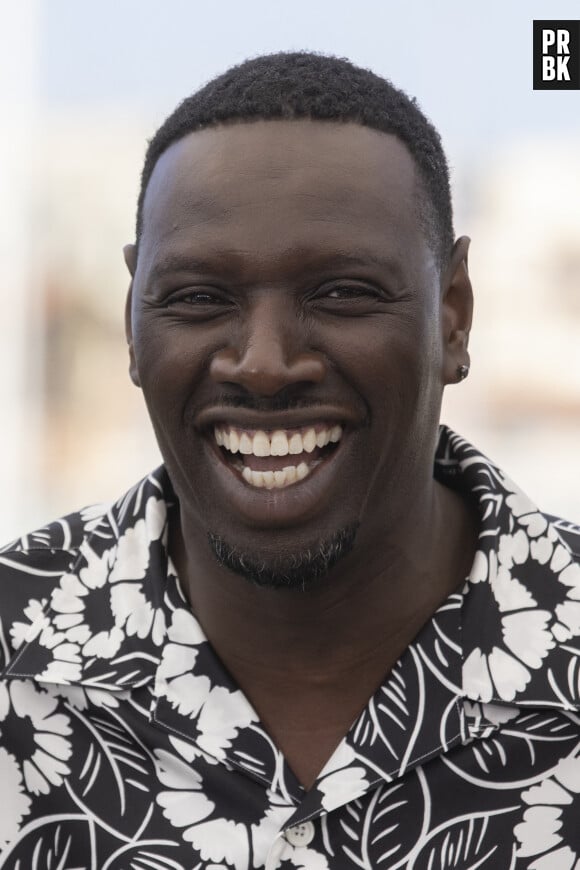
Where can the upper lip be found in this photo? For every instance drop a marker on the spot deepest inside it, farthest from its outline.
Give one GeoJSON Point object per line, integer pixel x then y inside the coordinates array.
{"type": "Point", "coordinates": [294, 418]}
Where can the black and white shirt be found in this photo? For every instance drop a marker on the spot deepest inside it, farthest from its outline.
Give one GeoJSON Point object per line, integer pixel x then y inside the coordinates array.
{"type": "Point", "coordinates": [124, 742]}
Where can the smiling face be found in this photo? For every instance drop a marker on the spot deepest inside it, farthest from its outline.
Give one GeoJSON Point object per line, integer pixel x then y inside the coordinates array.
{"type": "Point", "coordinates": [292, 337]}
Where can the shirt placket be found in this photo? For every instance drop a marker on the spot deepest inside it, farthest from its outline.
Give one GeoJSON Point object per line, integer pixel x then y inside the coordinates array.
{"type": "Point", "coordinates": [429, 671]}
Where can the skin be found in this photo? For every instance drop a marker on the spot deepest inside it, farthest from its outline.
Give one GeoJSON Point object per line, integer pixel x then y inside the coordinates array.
{"type": "Point", "coordinates": [314, 284]}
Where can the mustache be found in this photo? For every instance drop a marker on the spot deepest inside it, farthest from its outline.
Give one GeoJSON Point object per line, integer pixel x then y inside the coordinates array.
{"type": "Point", "coordinates": [291, 398]}
{"type": "Point", "coordinates": [284, 400]}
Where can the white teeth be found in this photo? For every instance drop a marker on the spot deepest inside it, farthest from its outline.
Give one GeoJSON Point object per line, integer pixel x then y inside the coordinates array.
{"type": "Point", "coordinates": [276, 479]}
{"type": "Point", "coordinates": [234, 441]}
{"type": "Point", "coordinates": [261, 444]}
{"type": "Point", "coordinates": [290, 473]}
{"type": "Point", "coordinates": [276, 443]}
{"type": "Point", "coordinates": [295, 443]}
{"type": "Point", "coordinates": [245, 444]}
{"type": "Point", "coordinates": [302, 471]}
{"type": "Point", "coordinates": [322, 438]}
{"type": "Point", "coordinates": [309, 441]}
{"type": "Point", "coordinates": [268, 478]}
{"type": "Point", "coordinates": [279, 443]}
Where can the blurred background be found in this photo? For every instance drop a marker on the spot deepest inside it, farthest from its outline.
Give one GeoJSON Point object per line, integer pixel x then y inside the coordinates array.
{"type": "Point", "coordinates": [82, 87]}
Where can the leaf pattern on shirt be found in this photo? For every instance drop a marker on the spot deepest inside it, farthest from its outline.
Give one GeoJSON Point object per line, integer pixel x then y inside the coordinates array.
{"type": "Point", "coordinates": [57, 840]}
{"type": "Point", "coordinates": [125, 743]}
{"type": "Point", "coordinates": [469, 840]}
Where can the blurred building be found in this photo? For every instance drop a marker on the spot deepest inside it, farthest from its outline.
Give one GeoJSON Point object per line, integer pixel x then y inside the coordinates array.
{"type": "Point", "coordinates": [97, 438]}
{"type": "Point", "coordinates": [19, 351]}
{"type": "Point", "coordinates": [524, 405]}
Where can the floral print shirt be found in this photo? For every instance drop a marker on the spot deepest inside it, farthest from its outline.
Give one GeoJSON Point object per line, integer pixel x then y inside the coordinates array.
{"type": "Point", "coordinates": [124, 742]}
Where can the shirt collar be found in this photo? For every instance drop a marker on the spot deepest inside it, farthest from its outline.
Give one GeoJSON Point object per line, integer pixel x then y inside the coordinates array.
{"type": "Point", "coordinates": [521, 611]}
{"type": "Point", "coordinates": [105, 623]}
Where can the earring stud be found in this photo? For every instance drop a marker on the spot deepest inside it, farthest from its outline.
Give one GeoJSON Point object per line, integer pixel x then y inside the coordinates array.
{"type": "Point", "coordinates": [462, 372]}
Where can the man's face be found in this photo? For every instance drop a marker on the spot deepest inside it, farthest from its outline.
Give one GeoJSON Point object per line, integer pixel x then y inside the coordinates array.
{"type": "Point", "coordinates": [286, 330]}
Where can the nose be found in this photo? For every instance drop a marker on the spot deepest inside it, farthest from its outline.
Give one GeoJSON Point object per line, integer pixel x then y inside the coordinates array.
{"type": "Point", "coordinates": [267, 353]}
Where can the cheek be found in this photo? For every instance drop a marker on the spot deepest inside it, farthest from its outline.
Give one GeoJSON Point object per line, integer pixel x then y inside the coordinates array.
{"type": "Point", "coordinates": [387, 355]}
{"type": "Point", "coordinates": [168, 356]}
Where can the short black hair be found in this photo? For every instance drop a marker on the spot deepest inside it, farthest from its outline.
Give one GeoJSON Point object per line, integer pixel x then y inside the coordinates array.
{"type": "Point", "coordinates": [295, 85]}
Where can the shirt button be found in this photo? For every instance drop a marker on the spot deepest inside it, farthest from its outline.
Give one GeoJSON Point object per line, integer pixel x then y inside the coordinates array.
{"type": "Point", "coordinates": [300, 835]}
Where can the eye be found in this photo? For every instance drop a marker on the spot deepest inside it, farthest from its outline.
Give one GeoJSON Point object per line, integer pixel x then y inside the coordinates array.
{"type": "Point", "coordinates": [350, 291]}
{"type": "Point", "coordinates": [199, 303]}
{"type": "Point", "coordinates": [203, 298]}
{"type": "Point", "coordinates": [198, 297]}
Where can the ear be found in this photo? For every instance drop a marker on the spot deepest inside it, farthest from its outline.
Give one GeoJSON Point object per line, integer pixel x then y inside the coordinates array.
{"type": "Point", "coordinates": [130, 255]}
{"type": "Point", "coordinates": [457, 312]}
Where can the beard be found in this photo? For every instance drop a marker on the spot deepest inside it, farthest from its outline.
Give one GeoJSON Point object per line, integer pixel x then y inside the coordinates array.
{"type": "Point", "coordinates": [298, 570]}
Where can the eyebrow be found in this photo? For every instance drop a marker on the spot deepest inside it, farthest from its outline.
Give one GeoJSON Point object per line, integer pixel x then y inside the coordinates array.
{"type": "Point", "coordinates": [174, 262]}
{"type": "Point", "coordinates": [363, 259]}
{"type": "Point", "coordinates": [320, 261]}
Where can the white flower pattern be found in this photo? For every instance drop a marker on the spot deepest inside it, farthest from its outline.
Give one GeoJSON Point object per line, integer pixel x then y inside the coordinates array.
{"type": "Point", "coordinates": [541, 833]}
{"type": "Point", "coordinates": [45, 764]}
{"type": "Point", "coordinates": [220, 713]}
{"type": "Point", "coordinates": [341, 779]}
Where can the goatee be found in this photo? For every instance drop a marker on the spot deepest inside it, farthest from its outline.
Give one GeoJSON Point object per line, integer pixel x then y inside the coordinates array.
{"type": "Point", "coordinates": [298, 570]}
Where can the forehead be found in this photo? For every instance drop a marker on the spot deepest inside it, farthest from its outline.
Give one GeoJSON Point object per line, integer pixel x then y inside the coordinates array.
{"type": "Point", "coordinates": [305, 182]}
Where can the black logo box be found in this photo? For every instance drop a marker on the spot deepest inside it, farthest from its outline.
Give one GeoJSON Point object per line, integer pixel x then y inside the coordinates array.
{"type": "Point", "coordinates": [573, 65]}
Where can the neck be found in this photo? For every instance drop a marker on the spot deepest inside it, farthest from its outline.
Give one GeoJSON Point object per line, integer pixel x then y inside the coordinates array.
{"type": "Point", "coordinates": [367, 609]}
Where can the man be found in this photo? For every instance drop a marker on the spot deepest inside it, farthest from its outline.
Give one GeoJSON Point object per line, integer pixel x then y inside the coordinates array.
{"type": "Point", "coordinates": [266, 654]}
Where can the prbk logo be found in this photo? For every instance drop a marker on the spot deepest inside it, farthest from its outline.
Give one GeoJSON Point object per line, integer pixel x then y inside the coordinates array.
{"type": "Point", "coordinates": [556, 55]}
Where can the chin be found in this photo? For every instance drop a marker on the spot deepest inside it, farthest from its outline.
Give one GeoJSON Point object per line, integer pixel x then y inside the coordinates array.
{"type": "Point", "coordinates": [297, 569]}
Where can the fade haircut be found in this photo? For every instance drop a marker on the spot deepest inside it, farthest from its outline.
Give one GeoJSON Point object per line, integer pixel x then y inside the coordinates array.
{"type": "Point", "coordinates": [295, 85]}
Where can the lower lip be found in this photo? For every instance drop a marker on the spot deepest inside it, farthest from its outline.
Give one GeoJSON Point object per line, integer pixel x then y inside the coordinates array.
{"type": "Point", "coordinates": [278, 507]}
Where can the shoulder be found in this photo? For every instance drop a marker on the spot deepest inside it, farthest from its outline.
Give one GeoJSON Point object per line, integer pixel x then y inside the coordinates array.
{"type": "Point", "coordinates": [41, 546]}
{"type": "Point", "coordinates": [32, 565]}
{"type": "Point", "coordinates": [38, 563]}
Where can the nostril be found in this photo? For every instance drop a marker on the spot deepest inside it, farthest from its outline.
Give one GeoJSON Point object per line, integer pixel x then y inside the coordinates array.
{"type": "Point", "coordinates": [223, 363]}
{"type": "Point", "coordinates": [267, 374]}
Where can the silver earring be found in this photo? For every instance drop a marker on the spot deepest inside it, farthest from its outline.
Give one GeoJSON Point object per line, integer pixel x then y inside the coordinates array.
{"type": "Point", "coordinates": [462, 372]}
